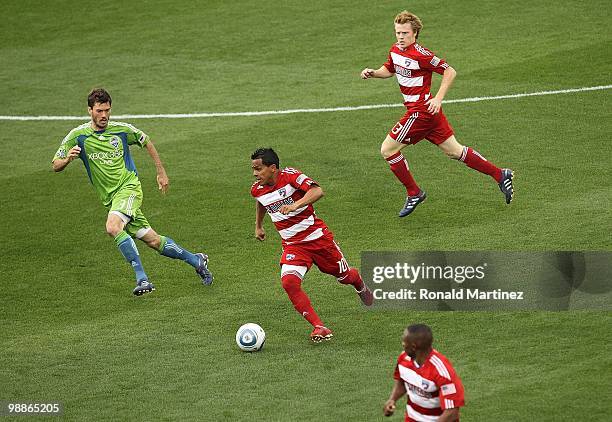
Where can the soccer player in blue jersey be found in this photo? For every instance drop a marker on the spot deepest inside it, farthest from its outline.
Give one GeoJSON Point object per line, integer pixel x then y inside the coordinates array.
{"type": "Point", "coordinates": [103, 146]}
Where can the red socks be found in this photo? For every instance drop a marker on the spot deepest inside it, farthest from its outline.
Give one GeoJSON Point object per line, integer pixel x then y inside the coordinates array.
{"type": "Point", "coordinates": [352, 277]}
{"type": "Point", "coordinates": [476, 161]}
{"type": "Point", "coordinates": [399, 167]}
{"type": "Point", "coordinates": [293, 286]}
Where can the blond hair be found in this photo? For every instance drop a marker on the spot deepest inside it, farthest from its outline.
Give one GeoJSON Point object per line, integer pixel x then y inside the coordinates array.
{"type": "Point", "coordinates": [407, 17]}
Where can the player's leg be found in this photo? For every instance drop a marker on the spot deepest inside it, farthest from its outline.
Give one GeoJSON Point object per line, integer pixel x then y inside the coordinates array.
{"type": "Point", "coordinates": [405, 131]}
{"type": "Point", "coordinates": [115, 224]}
{"type": "Point", "coordinates": [474, 160]}
{"type": "Point", "coordinates": [294, 265]}
{"type": "Point", "coordinates": [330, 260]}
{"type": "Point", "coordinates": [139, 227]}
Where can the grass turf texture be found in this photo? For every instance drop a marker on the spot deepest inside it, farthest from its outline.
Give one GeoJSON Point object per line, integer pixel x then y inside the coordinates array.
{"type": "Point", "coordinates": [69, 328]}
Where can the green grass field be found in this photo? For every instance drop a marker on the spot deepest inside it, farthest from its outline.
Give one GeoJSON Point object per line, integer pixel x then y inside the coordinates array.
{"type": "Point", "coordinates": [70, 330]}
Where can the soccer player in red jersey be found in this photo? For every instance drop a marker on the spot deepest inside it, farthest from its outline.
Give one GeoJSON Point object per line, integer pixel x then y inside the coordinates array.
{"type": "Point", "coordinates": [434, 390]}
{"type": "Point", "coordinates": [413, 66]}
{"type": "Point", "coordinates": [287, 195]}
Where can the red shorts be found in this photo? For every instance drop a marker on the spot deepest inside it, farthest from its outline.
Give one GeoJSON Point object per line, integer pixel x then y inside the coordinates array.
{"type": "Point", "coordinates": [417, 125]}
{"type": "Point", "coordinates": [323, 252]}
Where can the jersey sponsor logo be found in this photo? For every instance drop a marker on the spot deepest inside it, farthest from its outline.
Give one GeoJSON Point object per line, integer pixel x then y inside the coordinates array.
{"type": "Point", "coordinates": [434, 61]}
{"type": "Point", "coordinates": [421, 392]}
{"type": "Point", "coordinates": [402, 71]}
{"type": "Point", "coordinates": [275, 207]}
{"type": "Point", "coordinates": [105, 157]}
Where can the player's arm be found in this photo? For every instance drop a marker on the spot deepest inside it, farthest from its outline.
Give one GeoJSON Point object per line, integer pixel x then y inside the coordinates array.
{"type": "Point", "coordinates": [162, 177]}
{"type": "Point", "coordinates": [435, 103]}
{"type": "Point", "coordinates": [260, 212]}
{"type": "Point", "coordinates": [449, 415]}
{"type": "Point", "coordinates": [382, 73]}
{"type": "Point", "coordinates": [399, 389]}
{"type": "Point", "coordinates": [60, 164]}
{"type": "Point", "coordinates": [312, 195]}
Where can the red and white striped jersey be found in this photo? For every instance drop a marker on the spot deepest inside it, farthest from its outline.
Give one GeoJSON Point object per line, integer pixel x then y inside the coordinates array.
{"type": "Point", "coordinates": [413, 67]}
{"type": "Point", "coordinates": [301, 225]}
{"type": "Point", "coordinates": [431, 388]}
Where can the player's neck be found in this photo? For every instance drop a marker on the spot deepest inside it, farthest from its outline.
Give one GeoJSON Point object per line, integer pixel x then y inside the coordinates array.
{"type": "Point", "coordinates": [421, 356]}
{"type": "Point", "coordinates": [95, 127]}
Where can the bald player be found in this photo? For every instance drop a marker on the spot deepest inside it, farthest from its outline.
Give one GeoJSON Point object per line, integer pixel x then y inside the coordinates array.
{"type": "Point", "coordinates": [433, 389]}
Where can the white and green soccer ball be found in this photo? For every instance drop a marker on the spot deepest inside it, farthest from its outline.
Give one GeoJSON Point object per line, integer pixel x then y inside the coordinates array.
{"type": "Point", "coordinates": [250, 337]}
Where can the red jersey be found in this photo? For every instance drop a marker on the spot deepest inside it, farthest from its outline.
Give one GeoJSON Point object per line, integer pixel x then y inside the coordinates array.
{"type": "Point", "coordinates": [431, 388]}
{"type": "Point", "coordinates": [301, 225]}
{"type": "Point", "coordinates": [413, 67]}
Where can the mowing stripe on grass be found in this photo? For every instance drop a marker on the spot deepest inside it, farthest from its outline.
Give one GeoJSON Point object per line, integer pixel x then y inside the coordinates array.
{"type": "Point", "coordinates": [304, 110]}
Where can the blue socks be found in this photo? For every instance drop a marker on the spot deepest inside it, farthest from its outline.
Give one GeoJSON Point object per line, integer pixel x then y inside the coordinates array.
{"type": "Point", "coordinates": [169, 248]}
{"type": "Point", "coordinates": [128, 249]}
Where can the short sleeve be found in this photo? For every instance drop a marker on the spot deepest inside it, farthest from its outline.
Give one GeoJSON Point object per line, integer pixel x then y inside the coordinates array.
{"type": "Point", "coordinates": [67, 144]}
{"type": "Point", "coordinates": [136, 136]}
{"type": "Point", "coordinates": [429, 61]}
{"type": "Point", "coordinates": [299, 180]}
{"type": "Point", "coordinates": [450, 386]}
{"type": "Point", "coordinates": [389, 64]}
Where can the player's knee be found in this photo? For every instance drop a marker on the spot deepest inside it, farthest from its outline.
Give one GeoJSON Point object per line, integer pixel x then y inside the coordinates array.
{"type": "Point", "coordinates": [113, 229]}
{"type": "Point", "coordinates": [154, 242]}
{"type": "Point", "coordinates": [453, 155]}
{"type": "Point", "coordinates": [291, 283]}
{"type": "Point", "coordinates": [389, 147]}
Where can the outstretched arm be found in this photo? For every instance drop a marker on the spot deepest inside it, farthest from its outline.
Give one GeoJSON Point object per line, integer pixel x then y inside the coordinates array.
{"type": "Point", "coordinates": [260, 212]}
{"type": "Point", "coordinates": [61, 163]}
{"type": "Point", "coordinates": [312, 195]}
{"type": "Point", "coordinates": [382, 72]}
{"type": "Point", "coordinates": [435, 103]}
{"type": "Point", "coordinates": [162, 177]}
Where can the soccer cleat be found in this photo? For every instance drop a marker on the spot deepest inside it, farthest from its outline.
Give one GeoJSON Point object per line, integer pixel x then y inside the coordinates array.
{"type": "Point", "coordinates": [366, 296]}
{"type": "Point", "coordinates": [505, 185]}
{"type": "Point", "coordinates": [143, 287]}
{"type": "Point", "coordinates": [321, 333]}
{"type": "Point", "coordinates": [202, 270]}
{"type": "Point", "coordinates": [411, 203]}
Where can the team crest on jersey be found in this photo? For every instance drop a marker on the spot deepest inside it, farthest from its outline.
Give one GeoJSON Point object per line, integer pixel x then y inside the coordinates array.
{"type": "Point", "coordinates": [114, 141]}
{"type": "Point", "coordinates": [282, 192]}
{"type": "Point", "coordinates": [407, 62]}
{"type": "Point", "coordinates": [424, 384]}
{"type": "Point", "coordinates": [289, 256]}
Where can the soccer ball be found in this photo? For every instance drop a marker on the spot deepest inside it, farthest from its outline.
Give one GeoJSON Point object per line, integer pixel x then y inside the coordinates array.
{"type": "Point", "coordinates": [250, 337]}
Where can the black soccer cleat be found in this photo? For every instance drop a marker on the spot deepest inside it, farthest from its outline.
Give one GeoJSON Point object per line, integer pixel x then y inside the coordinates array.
{"type": "Point", "coordinates": [411, 203]}
{"type": "Point", "coordinates": [505, 185]}
{"type": "Point", "coordinates": [143, 287]}
{"type": "Point", "coordinates": [202, 270]}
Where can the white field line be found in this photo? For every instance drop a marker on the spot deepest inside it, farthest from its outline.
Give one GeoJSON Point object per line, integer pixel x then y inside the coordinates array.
{"type": "Point", "coordinates": [304, 110]}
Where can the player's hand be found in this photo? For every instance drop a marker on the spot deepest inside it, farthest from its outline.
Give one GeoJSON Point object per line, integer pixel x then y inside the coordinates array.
{"type": "Point", "coordinates": [367, 73]}
{"type": "Point", "coordinates": [286, 209]}
{"type": "Point", "coordinates": [260, 233]}
{"type": "Point", "coordinates": [74, 152]}
{"type": "Point", "coordinates": [434, 105]}
{"type": "Point", "coordinates": [389, 408]}
{"type": "Point", "coordinates": [162, 182]}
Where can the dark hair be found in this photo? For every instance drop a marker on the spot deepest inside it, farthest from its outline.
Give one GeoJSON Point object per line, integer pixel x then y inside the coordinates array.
{"type": "Point", "coordinates": [267, 155]}
{"type": "Point", "coordinates": [98, 95]}
{"type": "Point", "coordinates": [423, 333]}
